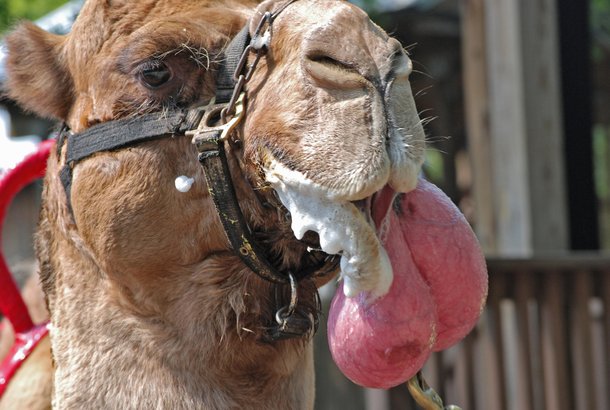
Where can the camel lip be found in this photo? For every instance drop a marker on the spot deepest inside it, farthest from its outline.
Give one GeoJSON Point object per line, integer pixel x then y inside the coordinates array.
{"type": "Point", "coordinates": [356, 196]}
{"type": "Point", "coordinates": [365, 206]}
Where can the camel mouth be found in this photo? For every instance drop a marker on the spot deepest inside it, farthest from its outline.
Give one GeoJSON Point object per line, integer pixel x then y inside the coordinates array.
{"type": "Point", "coordinates": [315, 262]}
{"type": "Point", "coordinates": [345, 228]}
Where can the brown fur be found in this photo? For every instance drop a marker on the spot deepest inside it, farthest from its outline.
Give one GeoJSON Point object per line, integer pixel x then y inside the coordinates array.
{"type": "Point", "coordinates": [149, 307]}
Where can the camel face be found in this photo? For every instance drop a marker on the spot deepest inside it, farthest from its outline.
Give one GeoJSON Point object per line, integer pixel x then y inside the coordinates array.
{"type": "Point", "coordinates": [331, 102]}
{"type": "Point", "coordinates": [336, 98]}
{"type": "Point", "coordinates": [138, 272]}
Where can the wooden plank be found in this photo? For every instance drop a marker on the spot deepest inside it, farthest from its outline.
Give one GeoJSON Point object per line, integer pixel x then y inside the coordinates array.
{"type": "Point", "coordinates": [492, 394]}
{"type": "Point", "coordinates": [605, 295]}
{"type": "Point", "coordinates": [481, 378]}
{"type": "Point", "coordinates": [513, 107]}
{"type": "Point", "coordinates": [508, 128]}
{"type": "Point", "coordinates": [451, 364]}
{"type": "Point", "coordinates": [558, 391]}
{"type": "Point", "coordinates": [543, 124]}
{"type": "Point", "coordinates": [523, 293]}
{"type": "Point", "coordinates": [598, 339]}
{"type": "Point", "coordinates": [551, 263]}
{"type": "Point", "coordinates": [469, 383]}
{"type": "Point", "coordinates": [376, 399]}
{"type": "Point", "coordinates": [582, 358]}
{"type": "Point", "coordinates": [433, 372]}
{"type": "Point", "coordinates": [474, 62]}
{"type": "Point", "coordinates": [459, 393]}
{"type": "Point", "coordinates": [537, 346]}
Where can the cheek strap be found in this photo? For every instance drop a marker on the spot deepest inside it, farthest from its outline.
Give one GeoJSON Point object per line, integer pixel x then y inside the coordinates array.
{"type": "Point", "coordinates": [115, 135]}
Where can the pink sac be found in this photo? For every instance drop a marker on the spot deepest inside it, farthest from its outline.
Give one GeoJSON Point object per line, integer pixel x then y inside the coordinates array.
{"type": "Point", "coordinates": [436, 298]}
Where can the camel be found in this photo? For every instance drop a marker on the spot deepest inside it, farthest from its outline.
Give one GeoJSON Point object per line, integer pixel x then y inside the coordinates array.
{"type": "Point", "coordinates": [150, 306]}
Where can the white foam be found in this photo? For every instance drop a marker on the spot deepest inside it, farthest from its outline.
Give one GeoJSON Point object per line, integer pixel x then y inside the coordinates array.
{"type": "Point", "coordinates": [184, 183]}
{"type": "Point", "coordinates": [342, 229]}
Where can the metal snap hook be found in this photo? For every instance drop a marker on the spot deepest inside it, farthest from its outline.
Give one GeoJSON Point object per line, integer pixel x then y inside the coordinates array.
{"type": "Point", "coordinates": [425, 396]}
{"type": "Point", "coordinates": [287, 311]}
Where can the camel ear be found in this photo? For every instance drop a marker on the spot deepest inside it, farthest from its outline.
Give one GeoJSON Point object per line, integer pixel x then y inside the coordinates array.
{"type": "Point", "coordinates": [36, 77]}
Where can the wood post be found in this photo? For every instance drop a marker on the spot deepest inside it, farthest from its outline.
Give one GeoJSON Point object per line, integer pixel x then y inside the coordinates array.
{"type": "Point", "coordinates": [515, 136]}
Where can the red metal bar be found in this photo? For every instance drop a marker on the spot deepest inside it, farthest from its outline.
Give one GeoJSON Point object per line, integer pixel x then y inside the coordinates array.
{"type": "Point", "coordinates": [25, 343]}
{"type": "Point", "coordinates": [27, 336]}
{"type": "Point", "coordinates": [28, 170]}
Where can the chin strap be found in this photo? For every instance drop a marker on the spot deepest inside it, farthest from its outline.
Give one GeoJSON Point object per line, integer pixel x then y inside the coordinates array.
{"type": "Point", "coordinates": [217, 125]}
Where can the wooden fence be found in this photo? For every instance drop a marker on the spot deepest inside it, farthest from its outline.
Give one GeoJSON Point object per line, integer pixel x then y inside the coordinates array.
{"type": "Point", "coordinates": [543, 341]}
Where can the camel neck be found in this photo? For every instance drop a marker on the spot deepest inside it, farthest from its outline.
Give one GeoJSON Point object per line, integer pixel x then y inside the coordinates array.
{"type": "Point", "coordinates": [109, 354]}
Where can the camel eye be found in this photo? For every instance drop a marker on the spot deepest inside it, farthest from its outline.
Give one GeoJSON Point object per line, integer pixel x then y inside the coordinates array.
{"type": "Point", "coordinates": [154, 74]}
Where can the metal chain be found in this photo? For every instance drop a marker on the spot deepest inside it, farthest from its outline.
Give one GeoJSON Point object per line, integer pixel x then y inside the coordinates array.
{"type": "Point", "coordinates": [259, 45]}
{"type": "Point", "coordinates": [425, 396]}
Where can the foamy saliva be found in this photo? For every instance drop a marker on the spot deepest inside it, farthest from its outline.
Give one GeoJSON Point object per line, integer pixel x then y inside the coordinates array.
{"type": "Point", "coordinates": [342, 228]}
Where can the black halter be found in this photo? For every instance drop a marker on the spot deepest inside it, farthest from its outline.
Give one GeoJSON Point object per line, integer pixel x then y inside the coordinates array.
{"type": "Point", "coordinates": [118, 134]}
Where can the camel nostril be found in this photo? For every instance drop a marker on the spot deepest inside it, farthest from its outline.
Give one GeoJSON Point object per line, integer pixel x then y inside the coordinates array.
{"type": "Point", "coordinates": [327, 60]}
{"type": "Point", "coordinates": [329, 72]}
{"type": "Point", "coordinates": [402, 65]}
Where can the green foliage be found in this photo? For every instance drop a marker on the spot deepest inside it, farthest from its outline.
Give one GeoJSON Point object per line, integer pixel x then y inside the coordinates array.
{"type": "Point", "coordinates": [12, 11]}
{"type": "Point", "coordinates": [434, 167]}
{"type": "Point", "coordinates": [600, 17]}
{"type": "Point", "coordinates": [601, 149]}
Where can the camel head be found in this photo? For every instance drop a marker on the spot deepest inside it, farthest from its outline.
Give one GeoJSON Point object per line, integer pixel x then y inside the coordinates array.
{"type": "Point", "coordinates": [127, 260]}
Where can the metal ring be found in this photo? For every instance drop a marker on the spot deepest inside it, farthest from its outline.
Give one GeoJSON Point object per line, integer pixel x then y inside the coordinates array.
{"type": "Point", "coordinates": [294, 298]}
{"type": "Point", "coordinates": [280, 315]}
{"type": "Point", "coordinates": [289, 310]}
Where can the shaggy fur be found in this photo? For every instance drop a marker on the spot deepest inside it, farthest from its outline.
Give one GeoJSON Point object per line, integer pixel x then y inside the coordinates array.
{"type": "Point", "coordinates": [149, 306]}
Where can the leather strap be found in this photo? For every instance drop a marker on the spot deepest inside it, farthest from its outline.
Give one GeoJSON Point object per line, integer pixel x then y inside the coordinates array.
{"type": "Point", "coordinates": [114, 135]}
{"type": "Point", "coordinates": [213, 158]}
{"type": "Point", "coordinates": [225, 78]}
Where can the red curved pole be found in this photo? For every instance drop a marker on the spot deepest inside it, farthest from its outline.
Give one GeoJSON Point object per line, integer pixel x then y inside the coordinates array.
{"type": "Point", "coordinates": [27, 335]}
{"type": "Point", "coordinates": [31, 168]}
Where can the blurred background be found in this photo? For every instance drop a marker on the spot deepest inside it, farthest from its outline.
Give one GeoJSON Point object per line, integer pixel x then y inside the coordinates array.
{"type": "Point", "coordinates": [515, 95]}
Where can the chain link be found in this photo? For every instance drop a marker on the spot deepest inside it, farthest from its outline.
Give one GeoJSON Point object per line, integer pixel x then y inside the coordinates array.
{"type": "Point", "coordinates": [259, 45]}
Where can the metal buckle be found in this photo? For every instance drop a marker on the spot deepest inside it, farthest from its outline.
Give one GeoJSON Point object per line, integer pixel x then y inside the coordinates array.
{"type": "Point", "coordinates": [208, 134]}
